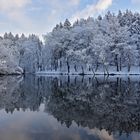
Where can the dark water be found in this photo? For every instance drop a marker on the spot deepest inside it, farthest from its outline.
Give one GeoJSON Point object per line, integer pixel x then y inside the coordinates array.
{"type": "Point", "coordinates": [69, 108]}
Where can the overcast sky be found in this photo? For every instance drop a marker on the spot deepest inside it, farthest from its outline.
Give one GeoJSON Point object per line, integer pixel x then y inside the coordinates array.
{"type": "Point", "coordinates": [39, 16]}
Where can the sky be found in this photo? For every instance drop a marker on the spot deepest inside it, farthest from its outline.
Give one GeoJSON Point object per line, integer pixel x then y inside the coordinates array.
{"type": "Point", "coordinates": [40, 16]}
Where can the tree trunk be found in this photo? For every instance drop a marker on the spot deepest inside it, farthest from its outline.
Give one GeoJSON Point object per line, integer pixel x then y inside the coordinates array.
{"type": "Point", "coordinates": [97, 65]}
{"type": "Point", "coordinates": [75, 68]}
{"type": "Point", "coordinates": [68, 66]}
{"type": "Point", "coordinates": [89, 69]}
{"type": "Point", "coordinates": [129, 64]}
{"type": "Point", "coordinates": [139, 65]}
{"type": "Point", "coordinates": [120, 64]}
{"type": "Point", "coordinates": [82, 69]}
{"type": "Point", "coordinates": [106, 69]}
{"type": "Point", "coordinates": [60, 64]}
{"type": "Point", "coordinates": [116, 61]}
{"type": "Point", "coordinates": [129, 67]}
{"type": "Point", "coordinates": [93, 71]}
{"type": "Point", "coordinates": [55, 66]}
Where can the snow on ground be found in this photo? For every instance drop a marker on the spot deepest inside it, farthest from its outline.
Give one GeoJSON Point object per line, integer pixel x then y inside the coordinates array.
{"type": "Point", "coordinates": [112, 71]}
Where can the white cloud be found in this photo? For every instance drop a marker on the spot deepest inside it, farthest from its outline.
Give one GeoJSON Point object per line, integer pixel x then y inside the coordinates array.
{"type": "Point", "coordinates": [59, 11]}
{"type": "Point", "coordinates": [75, 2]}
{"type": "Point", "coordinates": [9, 5]}
{"type": "Point", "coordinates": [23, 15]}
{"type": "Point", "coordinates": [14, 9]}
{"type": "Point", "coordinates": [135, 1]}
{"type": "Point", "coordinates": [91, 10]}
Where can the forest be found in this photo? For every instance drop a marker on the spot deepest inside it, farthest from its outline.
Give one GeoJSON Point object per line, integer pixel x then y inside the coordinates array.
{"type": "Point", "coordinates": [108, 44]}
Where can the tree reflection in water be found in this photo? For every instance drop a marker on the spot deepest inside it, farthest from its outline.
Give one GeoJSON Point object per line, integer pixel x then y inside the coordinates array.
{"type": "Point", "coordinates": [110, 103]}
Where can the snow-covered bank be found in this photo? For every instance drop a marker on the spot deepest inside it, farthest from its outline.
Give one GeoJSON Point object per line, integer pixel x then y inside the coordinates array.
{"type": "Point", "coordinates": [111, 71]}
{"type": "Point", "coordinates": [11, 71]}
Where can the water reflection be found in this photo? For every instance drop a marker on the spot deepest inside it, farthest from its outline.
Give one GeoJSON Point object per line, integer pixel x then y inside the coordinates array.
{"type": "Point", "coordinates": [73, 108]}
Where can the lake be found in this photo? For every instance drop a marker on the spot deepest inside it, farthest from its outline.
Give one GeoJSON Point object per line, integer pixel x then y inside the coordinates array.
{"type": "Point", "coordinates": [69, 108]}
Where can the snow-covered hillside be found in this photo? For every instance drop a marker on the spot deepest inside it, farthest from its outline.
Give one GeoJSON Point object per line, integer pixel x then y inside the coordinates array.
{"type": "Point", "coordinates": [109, 44]}
{"type": "Point", "coordinates": [102, 45]}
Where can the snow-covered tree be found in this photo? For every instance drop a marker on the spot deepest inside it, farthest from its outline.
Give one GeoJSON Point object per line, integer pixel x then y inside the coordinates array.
{"type": "Point", "coordinates": [87, 45]}
{"type": "Point", "coordinates": [30, 53]}
{"type": "Point", "coordinates": [9, 56]}
{"type": "Point", "coordinates": [92, 43]}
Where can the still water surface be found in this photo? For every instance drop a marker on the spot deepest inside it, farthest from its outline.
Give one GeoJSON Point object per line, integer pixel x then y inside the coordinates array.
{"type": "Point", "coordinates": [69, 108]}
